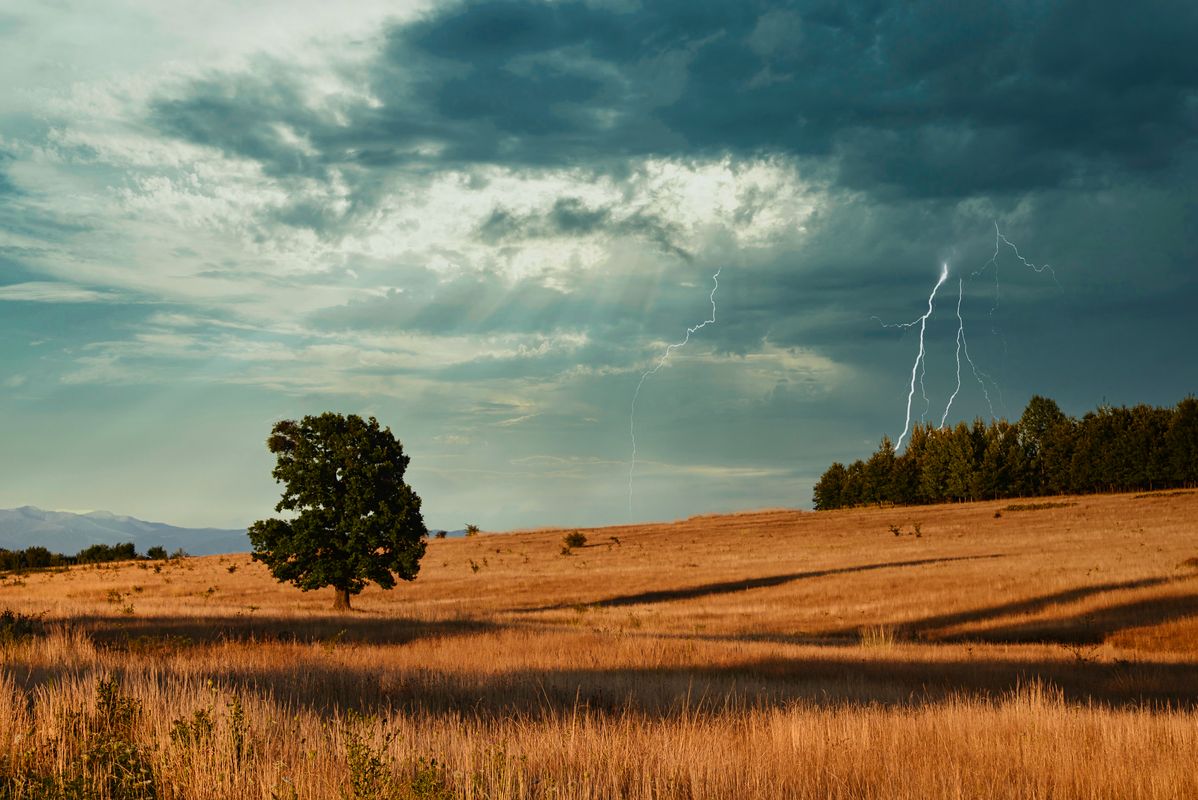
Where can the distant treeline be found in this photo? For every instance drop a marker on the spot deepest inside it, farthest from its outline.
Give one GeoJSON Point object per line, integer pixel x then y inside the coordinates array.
{"type": "Point", "coordinates": [40, 558]}
{"type": "Point", "coordinates": [1045, 452]}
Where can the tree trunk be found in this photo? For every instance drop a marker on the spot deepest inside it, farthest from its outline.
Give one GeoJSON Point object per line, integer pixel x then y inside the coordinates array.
{"type": "Point", "coordinates": [341, 599]}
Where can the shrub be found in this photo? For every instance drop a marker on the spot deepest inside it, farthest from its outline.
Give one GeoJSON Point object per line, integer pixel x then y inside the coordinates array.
{"type": "Point", "coordinates": [471, 530]}
{"type": "Point", "coordinates": [15, 625]}
{"type": "Point", "coordinates": [1036, 506]}
{"type": "Point", "coordinates": [111, 754]}
{"type": "Point", "coordinates": [440, 534]}
{"type": "Point", "coordinates": [574, 539]}
{"type": "Point", "coordinates": [156, 553]}
{"type": "Point", "coordinates": [187, 732]}
{"type": "Point", "coordinates": [370, 768]}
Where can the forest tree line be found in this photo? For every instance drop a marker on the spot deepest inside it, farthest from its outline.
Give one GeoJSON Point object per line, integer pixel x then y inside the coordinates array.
{"type": "Point", "coordinates": [38, 557]}
{"type": "Point", "coordinates": [1112, 449]}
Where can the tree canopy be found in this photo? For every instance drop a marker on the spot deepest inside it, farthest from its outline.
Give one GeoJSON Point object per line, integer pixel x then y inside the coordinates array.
{"type": "Point", "coordinates": [1046, 452]}
{"type": "Point", "coordinates": [355, 519]}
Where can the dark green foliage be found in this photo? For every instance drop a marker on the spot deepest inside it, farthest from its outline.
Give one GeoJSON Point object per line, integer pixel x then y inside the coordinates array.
{"type": "Point", "coordinates": [30, 558]}
{"type": "Point", "coordinates": [15, 625]}
{"type": "Point", "coordinates": [356, 520]}
{"type": "Point", "coordinates": [370, 771]}
{"type": "Point", "coordinates": [1036, 506]}
{"type": "Point", "coordinates": [1183, 442]}
{"type": "Point", "coordinates": [1046, 452]}
{"type": "Point", "coordinates": [829, 490]}
{"type": "Point", "coordinates": [38, 557]}
{"type": "Point", "coordinates": [100, 553]}
{"type": "Point", "coordinates": [111, 752]}
{"type": "Point", "coordinates": [190, 732]}
{"type": "Point", "coordinates": [156, 553]}
{"type": "Point", "coordinates": [574, 539]}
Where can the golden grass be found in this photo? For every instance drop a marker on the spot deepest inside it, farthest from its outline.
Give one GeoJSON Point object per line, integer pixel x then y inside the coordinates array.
{"type": "Point", "coordinates": [1049, 653]}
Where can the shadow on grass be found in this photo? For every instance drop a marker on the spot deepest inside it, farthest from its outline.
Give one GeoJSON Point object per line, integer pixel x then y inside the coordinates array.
{"type": "Point", "coordinates": [729, 587]}
{"type": "Point", "coordinates": [1092, 627]}
{"type": "Point", "coordinates": [844, 681]}
{"type": "Point", "coordinates": [149, 632]}
{"type": "Point", "coordinates": [927, 627]}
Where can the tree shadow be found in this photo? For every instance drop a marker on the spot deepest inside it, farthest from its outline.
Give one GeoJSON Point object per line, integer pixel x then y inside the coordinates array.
{"type": "Point", "coordinates": [926, 627]}
{"type": "Point", "coordinates": [729, 587]}
{"type": "Point", "coordinates": [151, 632]}
{"type": "Point", "coordinates": [855, 681]}
{"type": "Point", "coordinates": [1091, 627]}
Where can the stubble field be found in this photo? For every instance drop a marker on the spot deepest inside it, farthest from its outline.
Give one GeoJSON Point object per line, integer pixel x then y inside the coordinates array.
{"type": "Point", "coordinates": [1031, 649]}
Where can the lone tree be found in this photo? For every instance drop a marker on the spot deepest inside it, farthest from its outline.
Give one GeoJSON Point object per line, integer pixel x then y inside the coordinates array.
{"type": "Point", "coordinates": [355, 519]}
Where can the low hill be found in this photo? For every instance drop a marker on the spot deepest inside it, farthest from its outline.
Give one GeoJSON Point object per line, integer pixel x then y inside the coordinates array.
{"type": "Point", "coordinates": [68, 533]}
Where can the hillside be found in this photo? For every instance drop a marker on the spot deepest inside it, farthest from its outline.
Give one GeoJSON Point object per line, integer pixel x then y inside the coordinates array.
{"type": "Point", "coordinates": [805, 652]}
{"type": "Point", "coordinates": [68, 533]}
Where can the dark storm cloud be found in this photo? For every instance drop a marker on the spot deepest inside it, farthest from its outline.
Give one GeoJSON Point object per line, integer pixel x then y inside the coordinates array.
{"type": "Point", "coordinates": [919, 99]}
{"type": "Point", "coordinates": [1073, 123]}
{"type": "Point", "coordinates": [570, 216]}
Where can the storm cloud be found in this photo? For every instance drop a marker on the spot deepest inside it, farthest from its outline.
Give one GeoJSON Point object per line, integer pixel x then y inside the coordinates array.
{"type": "Point", "coordinates": [482, 221]}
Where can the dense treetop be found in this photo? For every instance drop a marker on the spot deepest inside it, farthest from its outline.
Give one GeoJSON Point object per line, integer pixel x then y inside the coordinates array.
{"type": "Point", "coordinates": [1110, 449]}
{"type": "Point", "coordinates": [353, 518]}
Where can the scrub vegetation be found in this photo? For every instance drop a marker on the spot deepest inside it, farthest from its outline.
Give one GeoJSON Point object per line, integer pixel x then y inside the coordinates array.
{"type": "Point", "coordinates": [767, 654]}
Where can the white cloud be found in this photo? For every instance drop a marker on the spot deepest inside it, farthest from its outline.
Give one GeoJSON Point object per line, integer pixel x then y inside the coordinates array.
{"type": "Point", "coordinates": [53, 292]}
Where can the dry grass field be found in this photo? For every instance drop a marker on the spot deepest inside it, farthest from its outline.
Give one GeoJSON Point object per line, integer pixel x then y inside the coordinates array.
{"type": "Point", "coordinates": [1038, 649]}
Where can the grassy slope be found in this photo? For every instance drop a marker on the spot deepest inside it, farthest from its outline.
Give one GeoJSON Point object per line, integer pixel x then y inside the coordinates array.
{"type": "Point", "coordinates": [759, 654]}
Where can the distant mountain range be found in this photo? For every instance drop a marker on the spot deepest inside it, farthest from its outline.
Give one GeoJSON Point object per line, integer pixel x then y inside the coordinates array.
{"type": "Point", "coordinates": [67, 533]}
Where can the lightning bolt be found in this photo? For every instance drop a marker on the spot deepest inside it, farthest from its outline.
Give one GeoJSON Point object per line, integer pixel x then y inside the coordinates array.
{"type": "Point", "coordinates": [661, 362]}
{"type": "Point", "coordinates": [919, 368]}
{"type": "Point", "coordinates": [999, 240]}
{"type": "Point", "coordinates": [963, 345]}
{"type": "Point", "coordinates": [922, 322]}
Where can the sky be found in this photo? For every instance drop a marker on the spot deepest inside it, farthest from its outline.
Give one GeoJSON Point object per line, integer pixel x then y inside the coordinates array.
{"type": "Point", "coordinates": [484, 222]}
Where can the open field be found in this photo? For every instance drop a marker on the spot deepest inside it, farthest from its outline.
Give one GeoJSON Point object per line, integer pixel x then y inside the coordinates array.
{"type": "Point", "coordinates": [1030, 649]}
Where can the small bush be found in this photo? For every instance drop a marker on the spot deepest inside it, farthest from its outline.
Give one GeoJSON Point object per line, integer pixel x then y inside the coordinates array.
{"type": "Point", "coordinates": [429, 781]}
{"type": "Point", "coordinates": [1036, 506]}
{"type": "Point", "coordinates": [111, 754]}
{"type": "Point", "coordinates": [156, 553]}
{"type": "Point", "coordinates": [15, 625]}
{"type": "Point", "coordinates": [472, 530]}
{"type": "Point", "coordinates": [188, 732]}
{"type": "Point", "coordinates": [440, 534]}
{"type": "Point", "coordinates": [370, 768]}
{"type": "Point", "coordinates": [574, 539]}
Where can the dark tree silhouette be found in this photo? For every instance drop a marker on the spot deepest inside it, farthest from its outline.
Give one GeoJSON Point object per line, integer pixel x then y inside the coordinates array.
{"type": "Point", "coordinates": [356, 519]}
